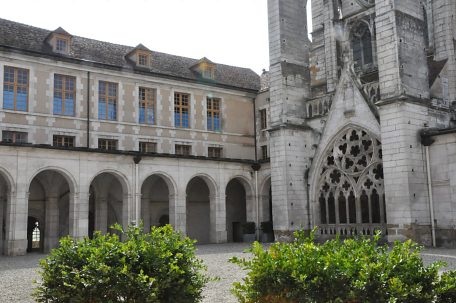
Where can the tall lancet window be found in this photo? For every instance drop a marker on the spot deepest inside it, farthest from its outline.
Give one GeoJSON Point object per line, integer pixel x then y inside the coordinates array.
{"type": "Point", "coordinates": [362, 46]}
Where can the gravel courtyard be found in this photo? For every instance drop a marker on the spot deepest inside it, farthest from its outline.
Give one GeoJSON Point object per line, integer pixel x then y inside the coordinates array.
{"type": "Point", "coordinates": [17, 273]}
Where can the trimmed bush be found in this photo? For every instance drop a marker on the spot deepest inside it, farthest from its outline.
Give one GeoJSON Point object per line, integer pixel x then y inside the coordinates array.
{"type": "Point", "coordinates": [159, 266]}
{"type": "Point", "coordinates": [350, 271]}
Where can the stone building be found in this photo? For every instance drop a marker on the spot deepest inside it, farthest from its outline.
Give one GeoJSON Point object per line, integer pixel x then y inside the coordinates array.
{"type": "Point", "coordinates": [352, 131]}
{"type": "Point", "coordinates": [361, 130]}
{"type": "Point", "coordinates": [95, 133]}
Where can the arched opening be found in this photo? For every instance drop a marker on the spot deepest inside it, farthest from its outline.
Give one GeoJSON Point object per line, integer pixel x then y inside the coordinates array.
{"type": "Point", "coordinates": [362, 46]}
{"type": "Point", "coordinates": [48, 210]}
{"type": "Point", "coordinates": [266, 214]}
{"type": "Point", "coordinates": [107, 203]}
{"type": "Point", "coordinates": [198, 210]}
{"type": "Point", "coordinates": [350, 193]}
{"type": "Point", "coordinates": [236, 214]}
{"type": "Point", "coordinates": [155, 194]}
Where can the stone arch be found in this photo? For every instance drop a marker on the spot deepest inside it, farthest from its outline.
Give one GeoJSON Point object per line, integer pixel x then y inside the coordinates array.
{"type": "Point", "coordinates": [158, 200]}
{"type": "Point", "coordinates": [51, 193]}
{"type": "Point", "coordinates": [71, 180]}
{"type": "Point", "coordinates": [349, 183]}
{"type": "Point", "coordinates": [239, 206]}
{"type": "Point", "coordinates": [362, 44]}
{"type": "Point", "coordinates": [123, 180]}
{"type": "Point", "coordinates": [265, 197]}
{"type": "Point", "coordinates": [201, 199]}
{"type": "Point", "coordinates": [109, 200]}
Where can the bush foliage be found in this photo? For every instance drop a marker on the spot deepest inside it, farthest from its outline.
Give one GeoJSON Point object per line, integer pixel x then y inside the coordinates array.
{"type": "Point", "coordinates": [159, 266]}
{"type": "Point", "coordinates": [350, 271]}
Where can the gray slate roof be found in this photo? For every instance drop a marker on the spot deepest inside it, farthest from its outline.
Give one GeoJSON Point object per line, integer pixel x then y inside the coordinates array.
{"type": "Point", "coordinates": [31, 40]}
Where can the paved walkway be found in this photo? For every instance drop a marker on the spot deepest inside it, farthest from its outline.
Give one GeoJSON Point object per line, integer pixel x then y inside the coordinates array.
{"type": "Point", "coordinates": [17, 273]}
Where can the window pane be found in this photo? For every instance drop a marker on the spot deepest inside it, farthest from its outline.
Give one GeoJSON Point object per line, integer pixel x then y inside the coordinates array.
{"type": "Point", "coordinates": [102, 110]}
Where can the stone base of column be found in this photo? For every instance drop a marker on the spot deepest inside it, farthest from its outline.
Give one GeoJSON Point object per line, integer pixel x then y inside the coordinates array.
{"type": "Point", "coordinates": [219, 237]}
{"type": "Point", "coordinates": [283, 235]}
{"type": "Point", "coordinates": [15, 248]}
{"type": "Point", "coordinates": [421, 234]}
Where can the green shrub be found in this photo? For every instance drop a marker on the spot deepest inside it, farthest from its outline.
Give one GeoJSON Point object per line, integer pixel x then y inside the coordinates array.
{"type": "Point", "coordinates": [350, 271]}
{"type": "Point", "coordinates": [159, 266]}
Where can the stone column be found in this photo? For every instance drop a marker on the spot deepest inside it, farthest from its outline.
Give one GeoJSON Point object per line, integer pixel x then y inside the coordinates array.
{"type": "Point", "coordinates": [51, 229]}
{"type": "Point", "coordinates": [101, 213]}
{"type": "Point", "coordinates": [145, 212]}
{"type": "Point", "coordinates": [177, 211]}
{"type": "Point", "coordinates": [218, 233]}
{"type": "Point", "coordinates": [79, 215]}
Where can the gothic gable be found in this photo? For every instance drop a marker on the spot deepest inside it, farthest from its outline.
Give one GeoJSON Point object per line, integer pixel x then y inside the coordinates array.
{"type": "Point", "coordinates": [349, 108]}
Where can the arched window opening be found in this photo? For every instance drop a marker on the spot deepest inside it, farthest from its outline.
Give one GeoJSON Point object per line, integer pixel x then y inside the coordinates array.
{"type": "Point", "coordinates": [36, 236]}
{"type": "Point", "coordinates": [352, 208]}
{"type": "Point", "coordinates": [375, 199]}
{"type": "Point", "coordinates": [350, 187]}
{"type": "Point", "coordinates": [310, 111]}
{"type": "Point", "coordinates": [364, 208]}
{"type": "Point", "coordinates": [342, 209]}
{"type": "Point", "coordinates": [362, 46]}
{"type": "Point", "coordinates": [322, 209]}
{"type": "Point", "coordinates": [332, 209]}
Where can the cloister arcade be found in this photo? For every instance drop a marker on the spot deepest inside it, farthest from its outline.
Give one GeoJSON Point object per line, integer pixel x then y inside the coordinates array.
{"type": "Point", "coordinates": [52, 201]}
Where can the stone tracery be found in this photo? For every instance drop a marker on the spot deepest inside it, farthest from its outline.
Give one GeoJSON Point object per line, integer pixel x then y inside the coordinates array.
{"type": "Point", "coordinates": [350, 188]}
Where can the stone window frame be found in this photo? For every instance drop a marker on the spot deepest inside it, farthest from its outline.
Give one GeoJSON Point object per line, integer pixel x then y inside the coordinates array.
{"type": "Point", "coordinates": [149, 103]}
{"type": "Point", "coordinates": [263, 119]}
{"type": "Point", "coordinates": [64, 91]}
{"type": "Point", "coordinates": [15, 84]}
{"type": "Point", "coordinates": [63, 141]}
{"type": "Point", "coordinates": [215, 152]}
{"type": "Point", "coordinates": [181, 105]}
{"type": "Point", "coordinates": [211, 112]}
{"type": "Point", "coordinates": [12, 136]}
{"type": "Point", "coordinates": [183, 149]}
{"type": "Point", "coordinates": [355, 32]}
{"type": "Point", "coordinates": [264, 152]}
{"type": "Point", "coordinates": [147, 147]}
{"type": "Point", "coordinates": [105, 97]}
{"type": "Point", "coordinates": [108, 144]}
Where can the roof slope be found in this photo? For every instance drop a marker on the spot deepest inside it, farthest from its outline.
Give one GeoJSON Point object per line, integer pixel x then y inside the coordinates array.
{"type": "Point", "coordinates": [32, 39]}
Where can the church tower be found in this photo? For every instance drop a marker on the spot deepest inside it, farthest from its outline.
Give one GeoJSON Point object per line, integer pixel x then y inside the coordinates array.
{"type": "Point", "coordinates": [289, 49]}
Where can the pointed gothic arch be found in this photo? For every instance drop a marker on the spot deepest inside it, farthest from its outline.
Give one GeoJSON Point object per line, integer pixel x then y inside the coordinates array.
{"type": "Point", "coordinates": [349, 192]}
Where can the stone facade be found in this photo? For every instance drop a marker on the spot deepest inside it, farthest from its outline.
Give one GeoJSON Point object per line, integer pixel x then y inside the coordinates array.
{"type": "Point", "coordinates": [352, 132]}
{"type": "Point", "coordinates": [50, 187]}
{"type": "Point", "coordinates": [381, 72]}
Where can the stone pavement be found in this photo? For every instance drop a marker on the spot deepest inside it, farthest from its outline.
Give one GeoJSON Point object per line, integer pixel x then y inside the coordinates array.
{"type": "Point", "coordinates": [17, 273]}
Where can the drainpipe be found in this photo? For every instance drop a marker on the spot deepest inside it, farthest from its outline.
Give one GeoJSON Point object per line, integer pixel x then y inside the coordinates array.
{"type": "Point", "coordinates": [427, 141]}
{"type": "Point", "coordinates": [256, 167]}
{"type": "Point", "coordinates": [137, 159]}
{"type": "Point", "coordinates": [88, 109]}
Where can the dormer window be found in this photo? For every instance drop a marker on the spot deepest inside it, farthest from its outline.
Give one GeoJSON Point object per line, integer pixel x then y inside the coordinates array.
{"type": "Point", "coordinates": [143, 59]}
{"type": "Point", "coordinates": [205, 68]}
{"type": "Point", "coordinates": [140, 56]}
{"type": "Point", "coordinates": [61, 45]}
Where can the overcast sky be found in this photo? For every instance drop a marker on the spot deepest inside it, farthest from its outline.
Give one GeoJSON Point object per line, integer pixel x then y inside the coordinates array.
{"type": "Point", "coordinates": [233, 32]}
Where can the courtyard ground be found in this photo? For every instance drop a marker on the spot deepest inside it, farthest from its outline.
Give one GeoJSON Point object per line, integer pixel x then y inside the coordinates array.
{"type": "Point", "coordinates": [17, 273]}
